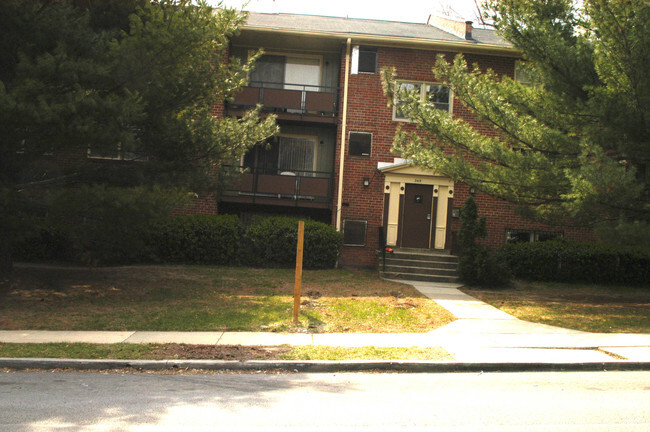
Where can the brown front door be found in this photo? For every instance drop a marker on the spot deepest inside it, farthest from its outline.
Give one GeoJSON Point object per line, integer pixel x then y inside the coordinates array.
{"type": "Point", "coordinates": [416, 220]}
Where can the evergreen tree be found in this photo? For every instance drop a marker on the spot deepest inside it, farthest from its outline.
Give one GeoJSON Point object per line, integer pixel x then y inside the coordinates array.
{"type": "Point", "coordinates": [476, 264]}
{"type": "Point", "coordinates": [571, 145]}
{"type": "Point", "coordinates": [130, 80]}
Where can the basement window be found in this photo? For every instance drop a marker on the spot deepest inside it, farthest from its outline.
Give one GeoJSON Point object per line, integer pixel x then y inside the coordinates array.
{"type": "Point", "coordinates": [354, 232]}
{"type": "Point", "coordinates": [529, 236]}
{"type": "Point", "coordinates": [360, 144]}
{"type": "Point", "coordinates": [114, 152]}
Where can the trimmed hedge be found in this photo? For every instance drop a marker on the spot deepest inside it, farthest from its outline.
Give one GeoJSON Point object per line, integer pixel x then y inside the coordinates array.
{"type": "Point", "coordinates": [272, 243]}
{"type": "Point", "coordinates": [563, 261]}
{"type": "Point", "coordinates": [195, 239]}
{"type": "Point", "coordinates": [200, 239]}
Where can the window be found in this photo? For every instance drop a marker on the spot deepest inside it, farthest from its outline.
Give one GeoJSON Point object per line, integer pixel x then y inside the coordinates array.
{"type": "Point", "coordinates": [436, 94]}
{"type": "Point", "coordinates": [522, 74]}
{"type": "Point", "coordinates": [527, 236]}
{"type": "Point", "coordinates": [114, 153]}
{"type": "Point", "coordinates": [354, 232]}
{"type": "Point", "coordinates": [360, 144]}
{"type": "Point", "coordinates": [364, 60]}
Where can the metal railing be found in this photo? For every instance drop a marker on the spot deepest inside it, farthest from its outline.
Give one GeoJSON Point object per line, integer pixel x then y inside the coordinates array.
{"type": "Point", "coordinates": [294, 185]}
{"type": "Point", "coordinates": [295, 98]}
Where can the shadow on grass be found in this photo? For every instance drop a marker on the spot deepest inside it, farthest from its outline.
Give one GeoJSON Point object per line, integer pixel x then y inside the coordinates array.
{"type": "Point", "coordinates": [199, 298]}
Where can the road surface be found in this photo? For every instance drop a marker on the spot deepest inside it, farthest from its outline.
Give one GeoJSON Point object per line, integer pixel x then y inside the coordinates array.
{"type": "Point", "coordinates": [564, 401]}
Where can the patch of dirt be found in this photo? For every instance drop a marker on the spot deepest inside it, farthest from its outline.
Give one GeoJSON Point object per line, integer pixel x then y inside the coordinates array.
{"type": "Point", "coordinates": [220, 352]}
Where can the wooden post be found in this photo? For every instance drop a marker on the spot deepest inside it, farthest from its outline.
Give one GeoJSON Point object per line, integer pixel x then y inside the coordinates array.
{"type": "Point", "coordinates": [296, 290]}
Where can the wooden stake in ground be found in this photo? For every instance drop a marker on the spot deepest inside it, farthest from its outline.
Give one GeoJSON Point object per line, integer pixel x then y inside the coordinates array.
{"type": "Point", "coordinates": [296, 290]}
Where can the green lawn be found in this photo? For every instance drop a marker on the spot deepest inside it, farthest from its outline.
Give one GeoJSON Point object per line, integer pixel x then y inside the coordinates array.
{"type": "Point", "coordinates": [592, 308]}
{"type": "Point", "coordinates": [203, 298]}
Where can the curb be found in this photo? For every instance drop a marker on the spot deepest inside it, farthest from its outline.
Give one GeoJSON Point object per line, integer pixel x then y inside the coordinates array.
{"type": "Point", "coordinates": [320, 366]}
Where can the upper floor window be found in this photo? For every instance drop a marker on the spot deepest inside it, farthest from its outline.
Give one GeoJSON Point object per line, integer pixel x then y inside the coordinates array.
{"type": "Point", "coordinates": [522, 74]}
{"type": "Point", "coordinates": [364, 60]}
{"type": "Point", "coordinates": [436, 94]}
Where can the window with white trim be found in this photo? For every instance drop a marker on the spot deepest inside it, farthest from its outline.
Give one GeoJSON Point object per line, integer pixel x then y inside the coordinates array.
{"type": "Point", "coordinates": [436, 94]}
{"type": "Point", "coordinates": [522, 74]}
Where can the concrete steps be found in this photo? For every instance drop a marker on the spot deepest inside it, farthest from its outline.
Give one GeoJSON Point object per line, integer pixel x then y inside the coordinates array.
{"type": "Point", "coordinates": [420, 265]}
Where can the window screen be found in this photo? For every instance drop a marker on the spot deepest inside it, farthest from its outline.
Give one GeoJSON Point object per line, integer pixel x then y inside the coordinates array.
{"type": "Point", "coordinates": [354, 232]}
{"type": "Point", "coordinates": [367, 60]}
{"type": "Point", "coordinates": [360, 144]}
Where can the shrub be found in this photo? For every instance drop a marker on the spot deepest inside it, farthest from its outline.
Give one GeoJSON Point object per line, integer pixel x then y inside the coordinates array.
{"type": "Point", "coordinates": [45, 243]}
{"type": "Point", "coordinates": [96, 224]}
{"type": "Point", "coordinates": [564, 261]}
{"type": "Point", "coordinates": [272, 242]}
{"type": "Point", "coordinates": [476, 264]}
{"type": "Point", "coordinates": [195, 239]}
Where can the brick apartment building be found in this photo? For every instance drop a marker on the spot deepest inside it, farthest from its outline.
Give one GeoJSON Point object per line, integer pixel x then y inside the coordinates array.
{"type": "Point", "coordinates": [332, 160]}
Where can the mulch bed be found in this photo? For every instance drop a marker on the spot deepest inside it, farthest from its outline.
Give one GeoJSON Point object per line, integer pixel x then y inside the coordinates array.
{"type": "Point", "coordinates": [220, 352]}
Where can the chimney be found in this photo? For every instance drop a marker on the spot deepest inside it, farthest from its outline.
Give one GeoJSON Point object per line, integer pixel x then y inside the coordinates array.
{"type": "Point", "coordinates": [468, 30]}
{"type": "Point", "coordinates": [462, 29]}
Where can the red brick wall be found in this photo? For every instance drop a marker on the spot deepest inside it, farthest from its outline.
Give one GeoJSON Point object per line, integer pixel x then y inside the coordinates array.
{"type": "Point", "coordinates": [368, 112]}
{"type": "Point", "coordinates": [201, 204]}
{"type": "Point", "coordinates": [501, 216]}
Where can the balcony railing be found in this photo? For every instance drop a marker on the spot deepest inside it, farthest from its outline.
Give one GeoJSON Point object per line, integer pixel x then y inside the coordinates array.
{"type": "Point", "coordinates": [289, 99]}
{"type": "Point", "coordinates": [287, 188]}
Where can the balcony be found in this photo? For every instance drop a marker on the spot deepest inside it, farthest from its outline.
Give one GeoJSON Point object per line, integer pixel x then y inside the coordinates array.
{"type": "Point", "coordinates": [288, 188]}
{"type": "Point", "coordinates": [288, 101]}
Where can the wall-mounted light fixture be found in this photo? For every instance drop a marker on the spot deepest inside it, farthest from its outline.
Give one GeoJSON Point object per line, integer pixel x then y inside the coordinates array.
{"type": "Point", "coordinates": [472, 190]}
{"type": "Point", "coordinates": [366, 181]}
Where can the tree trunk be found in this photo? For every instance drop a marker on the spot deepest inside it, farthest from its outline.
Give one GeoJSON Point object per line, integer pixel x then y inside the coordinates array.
{"type": "Point", "coordinates": [6, 263]}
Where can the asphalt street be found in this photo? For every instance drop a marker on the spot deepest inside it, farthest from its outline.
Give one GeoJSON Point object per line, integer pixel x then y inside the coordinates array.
{"type": "Point", "coordinates": [560, 401]}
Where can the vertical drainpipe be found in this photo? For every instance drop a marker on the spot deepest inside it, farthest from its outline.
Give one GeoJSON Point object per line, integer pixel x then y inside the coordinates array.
{"type": "Point", "coordinates": [339, 201]}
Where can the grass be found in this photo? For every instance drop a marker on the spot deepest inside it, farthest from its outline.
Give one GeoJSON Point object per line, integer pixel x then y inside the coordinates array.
{"type": "Point", "coordinates": [175, 351]}
{"type": "Point", "coordinates": [311, 352]}
{"type": "Point", "coordinates": [591, 308]}
{"type": "Point", "coordinates": [202, 298]}
{"type": "Point", "coordinates": [78, 351]}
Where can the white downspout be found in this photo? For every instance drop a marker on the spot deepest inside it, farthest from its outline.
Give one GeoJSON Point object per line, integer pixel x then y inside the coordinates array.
{"type": "Point", "coordinates": [339, 201]}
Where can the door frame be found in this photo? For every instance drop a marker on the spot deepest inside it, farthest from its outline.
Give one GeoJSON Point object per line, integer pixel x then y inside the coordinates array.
{"type": "Point", "coordinates": [397, 176]}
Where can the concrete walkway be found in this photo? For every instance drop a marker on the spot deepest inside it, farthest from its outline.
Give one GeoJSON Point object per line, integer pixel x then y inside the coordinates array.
{"type": "Point", "coordinates": [481, 334]}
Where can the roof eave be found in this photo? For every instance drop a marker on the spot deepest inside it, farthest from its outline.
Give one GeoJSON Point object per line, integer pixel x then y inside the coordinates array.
{"type": "Point", "coordinates": [398, 41]}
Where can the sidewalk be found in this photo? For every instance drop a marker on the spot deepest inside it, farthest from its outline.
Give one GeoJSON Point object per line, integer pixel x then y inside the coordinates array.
{"type": "Point", "coordinates": [481, 334]}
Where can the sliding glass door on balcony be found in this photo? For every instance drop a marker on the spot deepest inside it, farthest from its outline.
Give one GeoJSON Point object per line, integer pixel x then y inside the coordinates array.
{"type": "Point", "coordinates": [286, 156]}
{"type": "Point", "coordinates": [291, 87]}
{"type": "Point", "coordinates": [283, 172]}
{"type": "Point", "coordinates": [297, 155]}
{"type": "Point", "coordinates": [290, 73]}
